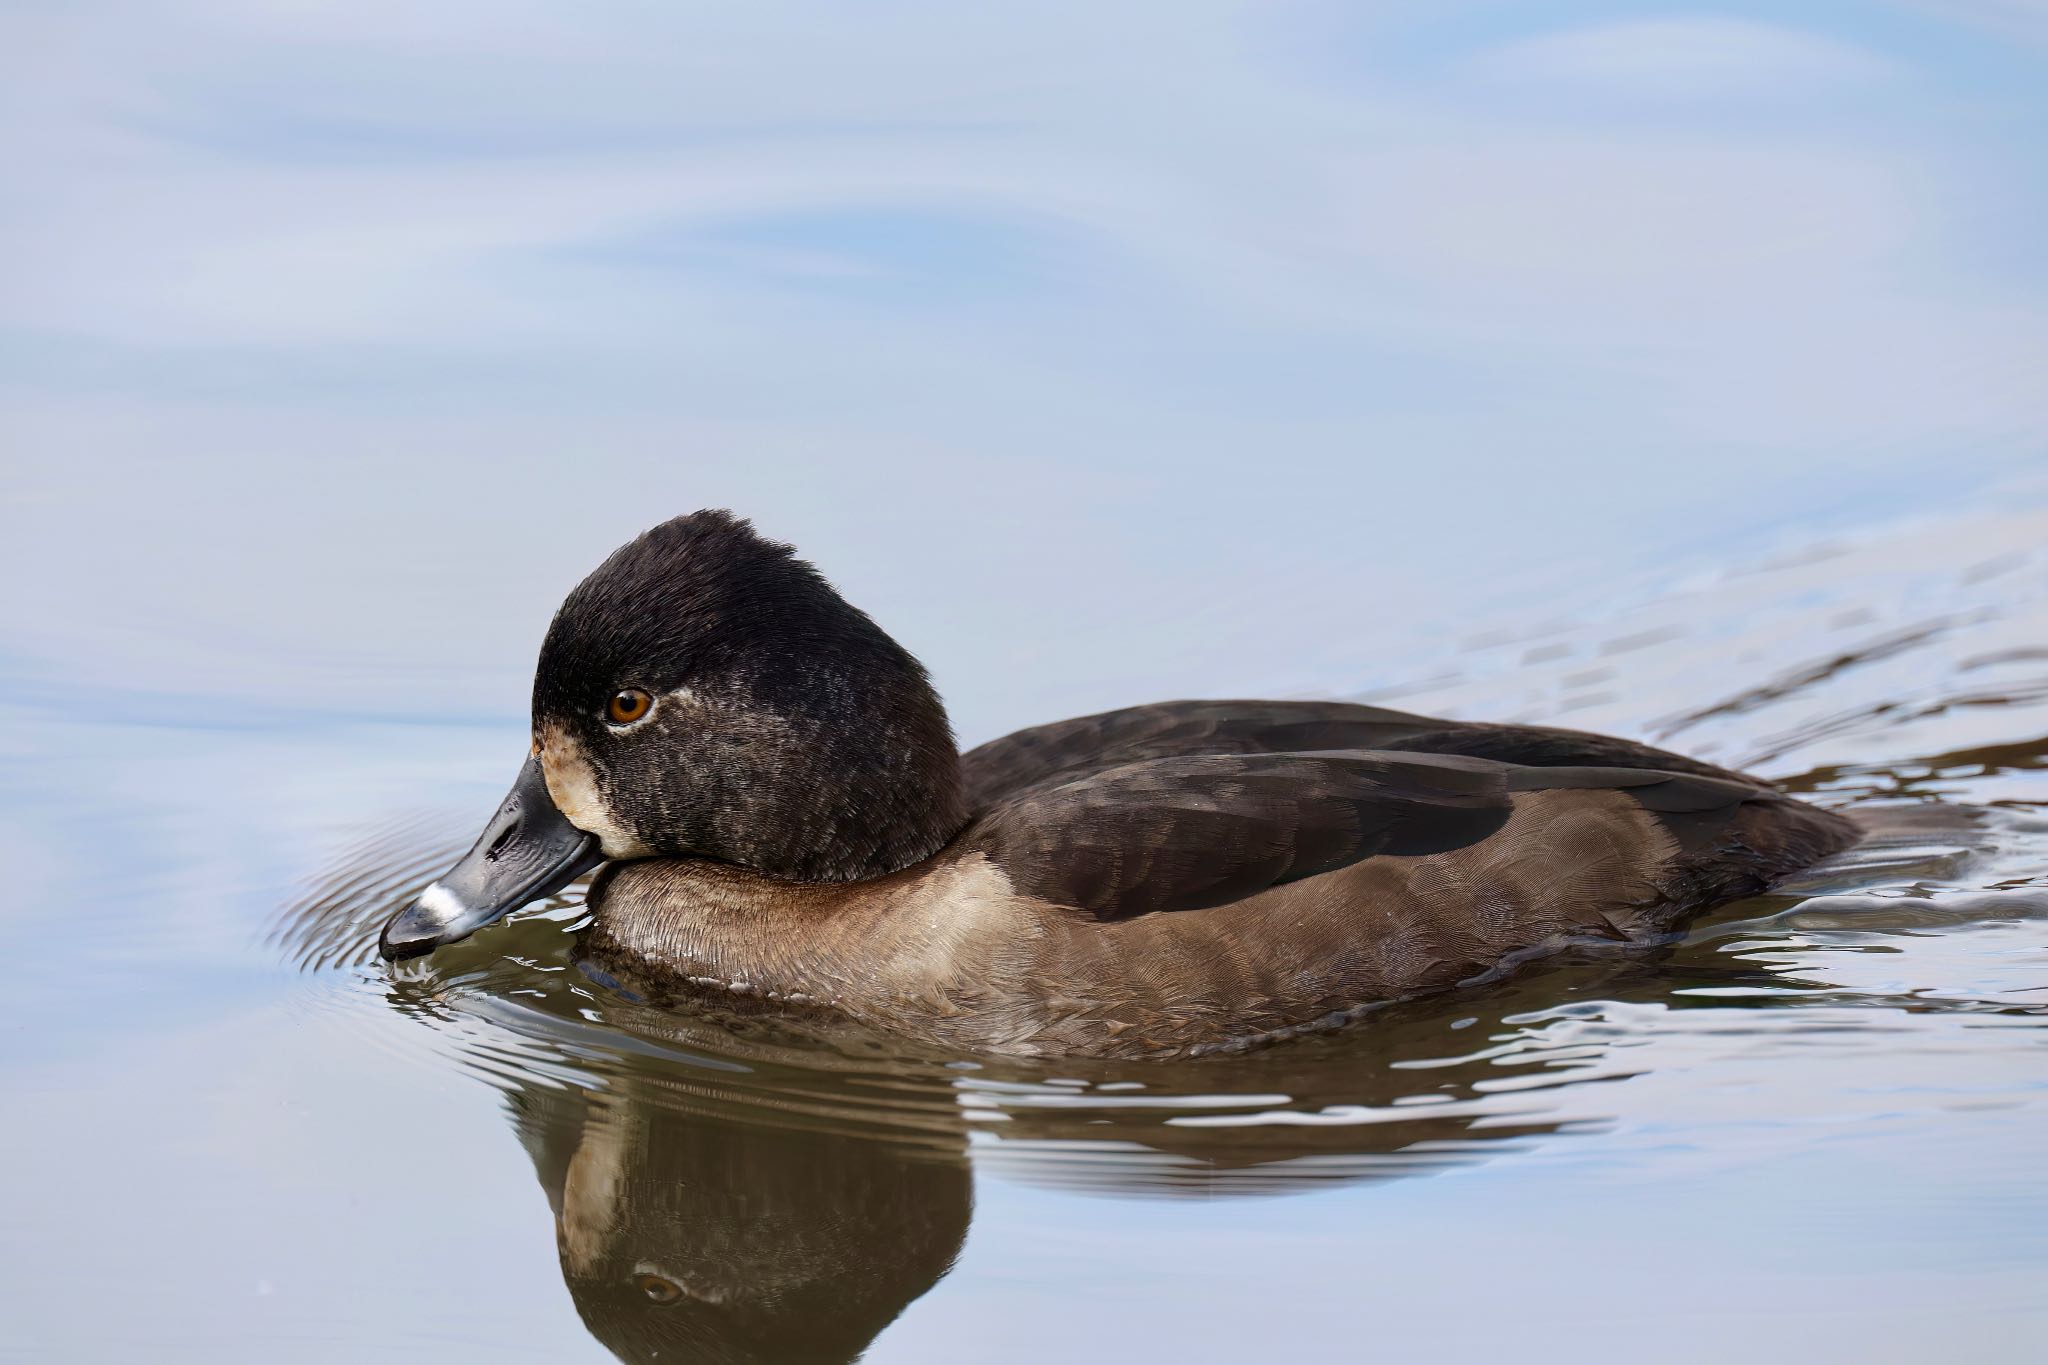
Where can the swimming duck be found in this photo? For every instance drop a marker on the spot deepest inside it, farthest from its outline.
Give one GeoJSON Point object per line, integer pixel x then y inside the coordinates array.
{"type": "Point", "coordinates": [772, 786]}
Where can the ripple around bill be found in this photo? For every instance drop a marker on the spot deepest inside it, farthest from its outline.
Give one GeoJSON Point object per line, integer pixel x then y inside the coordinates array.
{"type": "Point", "coordinates": [336, 917]}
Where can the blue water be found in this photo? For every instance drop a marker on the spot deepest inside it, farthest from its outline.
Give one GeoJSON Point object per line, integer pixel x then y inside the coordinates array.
{"type": "Point", "coordinates": [1674, 376]}
{"type": "Point", "coordinates": [1822, 1114]}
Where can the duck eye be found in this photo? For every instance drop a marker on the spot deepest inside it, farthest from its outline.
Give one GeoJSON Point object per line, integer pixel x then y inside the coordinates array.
{"type": "Point", "coordinates": [627, 705]}
{"type": "Point", "coordinates": [659, 1288]}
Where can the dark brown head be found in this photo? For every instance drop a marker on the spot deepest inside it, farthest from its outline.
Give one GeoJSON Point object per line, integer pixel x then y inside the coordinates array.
{"type": "Point", "coordinates": [707, 694]}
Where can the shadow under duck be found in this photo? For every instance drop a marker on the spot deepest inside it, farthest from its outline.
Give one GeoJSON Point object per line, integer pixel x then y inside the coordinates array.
{"type": "Point", "coordinates": [773, 786]}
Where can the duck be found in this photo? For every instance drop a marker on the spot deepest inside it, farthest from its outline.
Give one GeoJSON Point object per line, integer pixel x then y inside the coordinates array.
{"type": "Point", "coordinates": [769, 791]}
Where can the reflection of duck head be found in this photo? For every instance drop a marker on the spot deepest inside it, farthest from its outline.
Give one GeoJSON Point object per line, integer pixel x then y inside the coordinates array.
{"type": "Point", "coordinates": [685, 1236]}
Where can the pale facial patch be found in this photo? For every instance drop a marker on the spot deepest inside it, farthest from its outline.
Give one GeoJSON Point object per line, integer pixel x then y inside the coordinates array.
{"type": "Point", "coordinates": [572, 782]}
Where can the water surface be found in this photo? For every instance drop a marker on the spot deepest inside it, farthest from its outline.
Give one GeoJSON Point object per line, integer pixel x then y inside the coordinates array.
{"type": "Point", "coordinates": [1819, 1116]}
{"type": "Point", "coordinates": [1670, 374]}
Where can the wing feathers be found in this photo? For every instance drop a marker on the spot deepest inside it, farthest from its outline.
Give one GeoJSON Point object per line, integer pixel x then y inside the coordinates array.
{"type": "Point", "coordinates": [1192, 831]}
{"type": "Point", "coordinates": [1006, 767]}
{"type": "Point", "coordinates": [1657, 791]}
{"type": "Point", "coordinates": [1183, 833]}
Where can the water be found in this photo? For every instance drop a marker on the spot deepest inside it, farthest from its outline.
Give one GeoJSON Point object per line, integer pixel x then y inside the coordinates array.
{"type": "Point", "coordinates": [1822, 1115]}
{"type": "Point", "coordinates": [1675, 375]}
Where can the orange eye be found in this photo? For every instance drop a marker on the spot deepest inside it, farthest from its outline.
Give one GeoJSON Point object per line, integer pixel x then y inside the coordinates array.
{"type": "Point", "coordinates": [658, 1288]}
{"type": "Point", "coordinates": [627, 706]}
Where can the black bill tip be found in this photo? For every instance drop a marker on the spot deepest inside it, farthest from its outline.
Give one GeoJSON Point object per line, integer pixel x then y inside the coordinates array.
{"type": "Point", "coordinates": [422, 926]}
{"type": "Point", "coordinates": [396, 943]}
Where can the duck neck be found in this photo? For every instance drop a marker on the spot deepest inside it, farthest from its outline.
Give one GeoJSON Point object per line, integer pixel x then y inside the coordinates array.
{"type": "Point", "coordinates": [894, 819]}
{"type": "Point", "coordinates": [839, 810]}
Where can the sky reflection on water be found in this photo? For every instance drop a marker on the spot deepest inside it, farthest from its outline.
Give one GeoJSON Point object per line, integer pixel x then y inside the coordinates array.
{"type": "Point", "coordinates": [1823, 1110]}
{"type": "Point", "coordinates": [1669, 374]}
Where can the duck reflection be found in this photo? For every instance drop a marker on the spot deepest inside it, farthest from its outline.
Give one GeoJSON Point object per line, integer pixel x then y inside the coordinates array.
{"type": "Point", "coordinates": [689, 1237]}
{"type": "Point", "coordinates": [749, 1188]}
{"type": "Point", "coordinates": [727, 1190]}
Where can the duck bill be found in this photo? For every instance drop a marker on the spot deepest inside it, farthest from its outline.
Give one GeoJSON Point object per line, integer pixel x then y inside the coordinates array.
{"type": "Point", "coordinates": [528, 850]}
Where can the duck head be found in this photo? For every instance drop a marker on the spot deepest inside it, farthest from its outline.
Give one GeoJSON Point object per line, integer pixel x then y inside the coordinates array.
{"type": "Point", "coordinates": [706, 694]}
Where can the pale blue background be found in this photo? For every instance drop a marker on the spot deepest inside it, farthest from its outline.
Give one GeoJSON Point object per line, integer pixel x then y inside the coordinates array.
{"type": "Point", "coordinates": [1105, 353]}
{"type": "Point", "coordinates": [1215, 343]}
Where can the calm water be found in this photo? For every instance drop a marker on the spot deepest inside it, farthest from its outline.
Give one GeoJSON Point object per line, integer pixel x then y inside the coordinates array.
{"type": "Point", "coordinates": [1820, 1120]}
{"type": "Point", "coordinates": [1676, 373]}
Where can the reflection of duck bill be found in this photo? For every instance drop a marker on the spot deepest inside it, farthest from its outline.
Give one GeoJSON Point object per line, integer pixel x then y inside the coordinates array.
{"type": "Point", "coordinates": [528, 850]}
